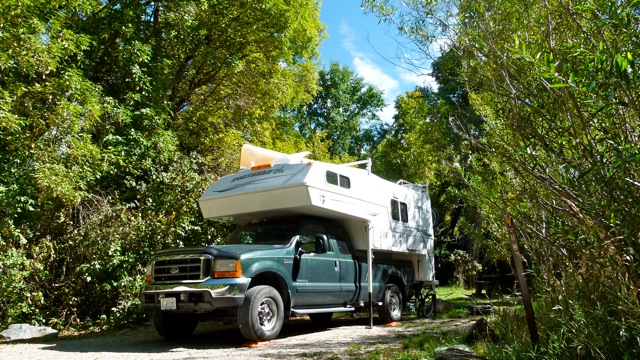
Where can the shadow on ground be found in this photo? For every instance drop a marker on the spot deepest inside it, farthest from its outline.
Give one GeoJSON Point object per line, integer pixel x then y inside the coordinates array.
{"type": "Point", "coordinates": [298, 338]}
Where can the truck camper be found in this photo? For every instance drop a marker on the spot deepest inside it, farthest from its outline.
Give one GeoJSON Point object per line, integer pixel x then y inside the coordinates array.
{"type": "Point", "coordinates": [310, 235]}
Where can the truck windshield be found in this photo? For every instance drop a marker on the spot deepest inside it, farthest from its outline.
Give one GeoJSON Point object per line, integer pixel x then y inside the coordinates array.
{"type": "Point", "coordinates": [266, 234]}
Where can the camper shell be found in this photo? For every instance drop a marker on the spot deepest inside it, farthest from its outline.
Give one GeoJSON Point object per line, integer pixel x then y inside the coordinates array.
{"type": "Point", "coordinates": [394, 218]}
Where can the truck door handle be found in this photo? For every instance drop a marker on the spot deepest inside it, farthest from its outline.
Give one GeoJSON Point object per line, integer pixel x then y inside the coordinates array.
{"type": "Point", "coordinates": [336, 265]}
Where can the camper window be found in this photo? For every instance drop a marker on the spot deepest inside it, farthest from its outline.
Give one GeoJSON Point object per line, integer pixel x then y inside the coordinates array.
{"type": "Point", "coordinates": [345, 182]}
{"type": "Point", "coordinates": [399, 211]}
{"type": "Point", "coordinates": [332, 178]}
{"type": "Point", "coordinates": [395, 210]}
{"type": "Point", "coordinates": [404, 214]}
{"type": "Point", "coordinates": [338, 180]}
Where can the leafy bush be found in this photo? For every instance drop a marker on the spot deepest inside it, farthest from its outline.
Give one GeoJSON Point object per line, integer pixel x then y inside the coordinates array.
{"type": "Point", "coordinates": [21, 298]}
{"type": "Point", "coordinates": [106, 142]}
{"type": "Point", "coordinates": [466, 267]}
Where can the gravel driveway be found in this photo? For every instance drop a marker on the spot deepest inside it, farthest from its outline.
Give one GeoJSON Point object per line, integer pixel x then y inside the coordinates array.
{"type": "Point", "coordinates": [299, 339]}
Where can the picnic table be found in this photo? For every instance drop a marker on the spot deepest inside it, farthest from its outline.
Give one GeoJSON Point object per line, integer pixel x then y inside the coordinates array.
{"type": "Point", "coordinates": [491, 283]}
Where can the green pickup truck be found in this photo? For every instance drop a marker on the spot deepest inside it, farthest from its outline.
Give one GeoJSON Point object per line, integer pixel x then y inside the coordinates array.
{"type": "Point", "coordinates": [264, 272]}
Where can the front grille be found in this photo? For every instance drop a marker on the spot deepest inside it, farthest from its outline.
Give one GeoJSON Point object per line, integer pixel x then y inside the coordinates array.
{"type": "Point", "coordinates": [182, 268]}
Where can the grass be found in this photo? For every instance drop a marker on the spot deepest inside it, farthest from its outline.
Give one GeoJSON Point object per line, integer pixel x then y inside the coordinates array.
{"type": "Point", "coordinates": [421, 345]}
{"type": "Point", "coordinates": [457, 296]}
{"type": "Point", "coordinates": [564, 335]}
{"type": "Point", "coordinates": [426, 338]}
{"type": "Point", "coordinates": [463, 299]}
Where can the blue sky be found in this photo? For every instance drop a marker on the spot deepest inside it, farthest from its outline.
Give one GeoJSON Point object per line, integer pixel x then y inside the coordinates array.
{"type": "Point", "coordinates": [370, 49]}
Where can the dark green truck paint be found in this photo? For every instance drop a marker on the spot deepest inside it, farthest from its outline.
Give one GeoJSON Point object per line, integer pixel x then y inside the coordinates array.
{"type": "Point", "coordinates": [287, 255]}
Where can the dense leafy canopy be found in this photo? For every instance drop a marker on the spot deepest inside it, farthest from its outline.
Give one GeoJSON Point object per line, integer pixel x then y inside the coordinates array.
{"type": "Point", "coordinates": [343, 112]}
{"type": "Point", "coordinates": [556, 85]}
{"type": "Point", "coordinates": [114, 115]}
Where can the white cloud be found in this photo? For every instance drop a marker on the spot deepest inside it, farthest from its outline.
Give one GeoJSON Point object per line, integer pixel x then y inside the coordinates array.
{"type": "Point", "coordinates": [415, 79]}
{"type": "Point", "coordinates": [374, 75]}
{"type": "Point", "coordinates": [348, 37]}
{"type": "Point", "coordinates": [392, 79]}
{"type": "Point", "coordinates": [365, 67]}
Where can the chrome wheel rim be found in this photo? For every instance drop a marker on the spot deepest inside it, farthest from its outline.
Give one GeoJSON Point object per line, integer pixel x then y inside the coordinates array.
{"type": "Point", "coordinates": [394, 304]}
{"type": "Point", "coordinates": [267, 314]}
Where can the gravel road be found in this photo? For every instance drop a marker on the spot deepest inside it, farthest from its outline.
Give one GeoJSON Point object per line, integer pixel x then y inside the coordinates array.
{"type": "Point", "coordinates": [299, 339]}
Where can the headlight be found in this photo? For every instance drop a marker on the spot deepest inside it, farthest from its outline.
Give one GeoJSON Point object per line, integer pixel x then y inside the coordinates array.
{"type": "Point", "coordinates": [227, 268]}
{"type": "Point", "coordinates": [149, 273]}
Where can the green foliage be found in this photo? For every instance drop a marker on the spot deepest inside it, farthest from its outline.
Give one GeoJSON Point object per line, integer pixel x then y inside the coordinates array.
{"type": "Point", "coordinates": [466, 267]}
{"type": "Point", "coordinates": [20, 294]}
{"type": "Point", "coordinates": [556, 85]}
{"type": "Point", "coordinates": [341, 114]}
{"type": "Point", "coordinates": [425, 343]}
{"type": "Point", "coordinates": [114, 117]}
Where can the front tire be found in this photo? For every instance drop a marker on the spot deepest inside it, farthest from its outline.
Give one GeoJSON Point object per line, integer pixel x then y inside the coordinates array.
{"type": "Point", "coordinates": [261, 315]}
{"type": "Point", "coordinates": [391, 308]}
{"type": "Point", "coordinates": [173, 326]}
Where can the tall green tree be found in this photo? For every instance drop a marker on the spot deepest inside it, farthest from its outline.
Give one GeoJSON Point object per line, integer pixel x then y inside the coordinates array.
{"type": "Point", "coordinates": [114, 116]}
{"type": "Point", "coordinates": [557, 86]}
{"type": "Point", "coordinates": [427, 143]}
{"type": "Point", "coordinates": [343, 113]}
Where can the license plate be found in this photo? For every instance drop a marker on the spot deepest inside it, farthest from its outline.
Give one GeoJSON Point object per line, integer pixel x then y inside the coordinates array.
{"type": "Point", "coordinates": [168, 303]}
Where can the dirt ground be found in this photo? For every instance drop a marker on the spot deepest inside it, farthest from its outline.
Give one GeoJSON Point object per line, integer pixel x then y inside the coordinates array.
{"type": "Point", "coordinates": [299, 339]}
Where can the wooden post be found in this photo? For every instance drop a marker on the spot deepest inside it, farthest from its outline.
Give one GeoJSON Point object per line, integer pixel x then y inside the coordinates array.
{"type": "Point", "coordinates": [524, 288]}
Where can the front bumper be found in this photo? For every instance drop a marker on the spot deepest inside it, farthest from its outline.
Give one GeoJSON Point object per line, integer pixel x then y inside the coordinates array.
{"type": "Point", "coordinates": [206, 296]}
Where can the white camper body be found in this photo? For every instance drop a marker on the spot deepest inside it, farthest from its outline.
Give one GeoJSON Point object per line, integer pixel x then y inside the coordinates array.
{"type": "Point", "coordinates": [393, 220]}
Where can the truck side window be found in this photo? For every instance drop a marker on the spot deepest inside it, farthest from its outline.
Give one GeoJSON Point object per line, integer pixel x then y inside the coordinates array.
{"type": "Point", "coordinates": [308, 234]}
{"type": "Point", "coordinates": [343, 248]}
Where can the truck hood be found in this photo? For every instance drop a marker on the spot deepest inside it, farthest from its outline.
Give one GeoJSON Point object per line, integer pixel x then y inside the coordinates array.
{"type": "Point", "coordinates": [210, 250]}
{"type": "Point", "coordinates": [226, 251]}
{"type": "Point", "coordinates": [243, 249]}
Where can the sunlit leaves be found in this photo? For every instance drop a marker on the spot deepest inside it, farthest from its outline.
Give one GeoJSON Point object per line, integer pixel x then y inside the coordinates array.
{"type": "Point", "coordinates": [343, 112]}
{"type": "Point", "coordinates": [557, 86]}
{"type": "Point", "coordinates": [114, 116]}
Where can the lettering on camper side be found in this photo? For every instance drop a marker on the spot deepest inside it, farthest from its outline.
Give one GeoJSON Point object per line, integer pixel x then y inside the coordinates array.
{"type": "Point", "coordinates": [260, 173]}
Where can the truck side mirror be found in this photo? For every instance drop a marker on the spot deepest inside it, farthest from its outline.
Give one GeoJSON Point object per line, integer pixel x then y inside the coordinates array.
{"type": "Point", "coordinates": [322, 244]}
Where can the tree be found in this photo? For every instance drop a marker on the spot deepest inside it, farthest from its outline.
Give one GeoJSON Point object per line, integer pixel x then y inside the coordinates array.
{"type": "Point", "coordinates": [429, 143]}
{"type": "Point", "coordinates": [114, 116]}
{"type": "Point", "coordinates": [342, 112]}
{"type": "Point", "coordinates": [560, 111]}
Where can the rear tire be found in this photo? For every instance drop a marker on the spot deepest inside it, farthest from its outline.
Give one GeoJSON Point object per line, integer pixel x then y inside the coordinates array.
{"type": "Point", "coordinates": [173, 326]}
{"type": "Point", "coordinates": [392, 304]}
{"type": "Point", "coordinates": [261, 315]}
{"type": "Point", "coordinates": [321, 319]}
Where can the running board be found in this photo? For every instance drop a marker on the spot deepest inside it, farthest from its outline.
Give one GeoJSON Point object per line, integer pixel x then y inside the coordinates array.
{"type": "Point", "coordinates": [323, 310]}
